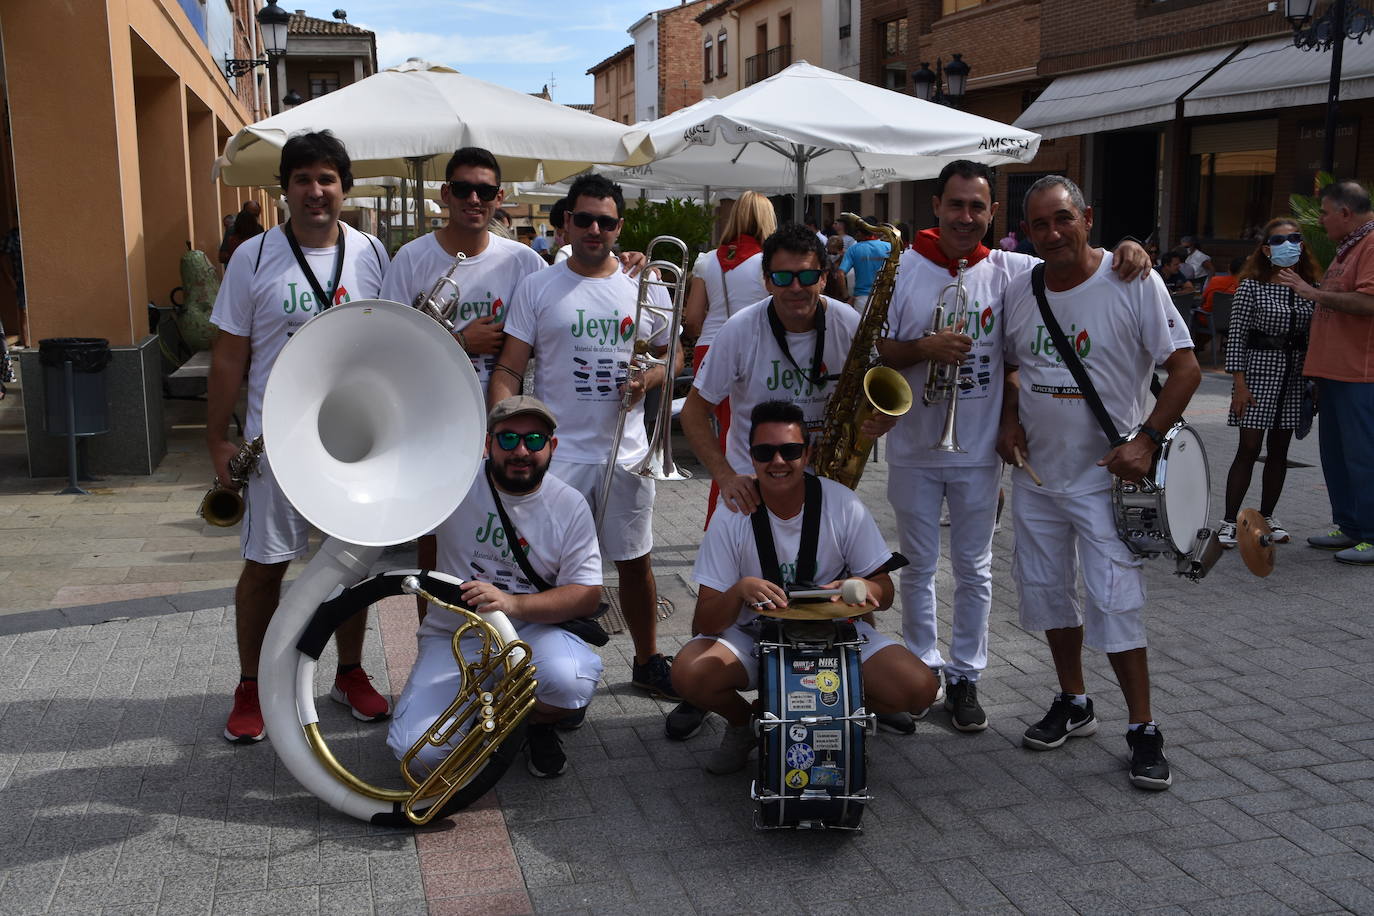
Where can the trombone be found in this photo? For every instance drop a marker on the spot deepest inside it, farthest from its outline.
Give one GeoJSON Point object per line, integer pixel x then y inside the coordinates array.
{"type": "Point", "coordinates": [668, 274]}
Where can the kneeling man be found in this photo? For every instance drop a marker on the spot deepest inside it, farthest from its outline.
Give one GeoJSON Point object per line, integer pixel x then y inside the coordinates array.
{"type": "Point", "coordinates": [712, 669]}
{"type": "Point", "coordinates": [549, 522]}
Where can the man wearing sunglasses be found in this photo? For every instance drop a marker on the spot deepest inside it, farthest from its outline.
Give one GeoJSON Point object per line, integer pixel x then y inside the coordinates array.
{"type": "Point", "coordinates": [494, 266]}
{"type": "Point", "coordinates": [553, 527]}
{"type": "Point", "coordinates": [716, 665]}
{"type": "Point", "coordinates": [579, 319]}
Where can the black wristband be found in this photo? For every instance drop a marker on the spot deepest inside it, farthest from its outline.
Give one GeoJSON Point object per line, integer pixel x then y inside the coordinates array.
{"type": "Point", "coordinates": [1153, 435]}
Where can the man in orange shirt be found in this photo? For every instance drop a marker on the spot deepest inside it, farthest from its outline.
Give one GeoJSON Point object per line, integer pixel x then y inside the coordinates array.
{"type": "Point", "coordinates": [1340, 355]}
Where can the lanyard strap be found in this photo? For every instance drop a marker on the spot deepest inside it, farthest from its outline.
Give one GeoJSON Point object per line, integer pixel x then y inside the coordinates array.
{"type": "Point", "coordinates": [806, 550]}
{"type": "Point", "coordinates": [322, 301]}
{"type": "Point", "coordinates": [816, 379]}
{"type": "Point", "coordinates": [513, 538]}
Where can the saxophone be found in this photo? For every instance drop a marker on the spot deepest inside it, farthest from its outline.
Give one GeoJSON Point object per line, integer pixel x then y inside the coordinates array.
{"type": "Point", "coordinates": [863, 385]}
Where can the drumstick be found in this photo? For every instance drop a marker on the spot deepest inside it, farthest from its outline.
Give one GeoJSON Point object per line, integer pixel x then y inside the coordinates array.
{"type": "Point", "coordinates": [1021, 462]}
{"type": "Point", "coordinates": [853, 592]}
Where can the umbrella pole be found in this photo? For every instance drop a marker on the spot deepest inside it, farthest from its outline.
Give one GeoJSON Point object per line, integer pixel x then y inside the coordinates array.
{"type": "Point", "coordinates": [799, 202]}
{"type": "Point", "coordinates": [418, 164]}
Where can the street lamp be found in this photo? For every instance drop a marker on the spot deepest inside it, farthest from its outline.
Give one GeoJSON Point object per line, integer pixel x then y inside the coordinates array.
{"type": "Point", "coordinates": [292, 99]}
{"type": "Point", "coordinates": [1328, 33]}
{"type": "Point", "coordinates": [274, 23]}
{"type": "Point", "coordinates": [930, 85]}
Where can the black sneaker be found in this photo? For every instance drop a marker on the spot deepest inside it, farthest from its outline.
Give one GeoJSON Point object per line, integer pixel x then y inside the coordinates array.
{"type": "Point", "coordinates": [546, 757]}
{"type": "Point", "coordinates": [655, 676]}
{"type": "Point", "coordinates": [572, 721]}
{"type": "Point", "coordinates": [683, 722]}
{"type": "Point", "coordinates": [1064, 720]}
{"type": "Point", "coordinates": [961, 702]}
{"type": "Point", "coordinates": [1149, 766]}
{"type": "Point", "coordinates": [899, 723]}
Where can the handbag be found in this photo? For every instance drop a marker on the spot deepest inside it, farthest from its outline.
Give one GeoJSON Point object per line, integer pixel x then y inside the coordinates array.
{"type": "Point", "coordinates": [1307, 410]}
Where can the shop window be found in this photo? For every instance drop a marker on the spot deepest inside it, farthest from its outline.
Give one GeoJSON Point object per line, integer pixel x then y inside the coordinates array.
{"type": "Point", "coordinates": [1229, 182]}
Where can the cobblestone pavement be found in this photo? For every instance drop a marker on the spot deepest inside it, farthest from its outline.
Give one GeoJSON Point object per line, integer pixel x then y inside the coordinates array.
{"type": "Point", "coordinates": [118, 795]}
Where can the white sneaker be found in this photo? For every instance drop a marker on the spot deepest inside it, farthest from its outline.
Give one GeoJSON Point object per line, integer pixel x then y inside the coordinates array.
{"type": "Point", "coordinates": [736, 745]}
{"type": "Point", "coordinates": [939, 697]}
{"type": "Point", "coordinates": [1226, 534]}
{"type": "Point", "coordinates": [1280, 534]}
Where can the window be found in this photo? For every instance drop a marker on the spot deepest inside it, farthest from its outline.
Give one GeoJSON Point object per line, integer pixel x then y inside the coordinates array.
{"type": "Point", "coordinates": [892, 53]}
{"type": "Point", "coordinates": [707, 62]}
{"type": "Point", "coordinates": [846, 17]}
{"type": "Point", "coordinates": [322, 83]}
{"type": "Point", "coordinates": [652, 55]}
{"type": "Point", "coordinates": [721, 68]}
{"type": "Point", "coordinates": [954, 6]}
{"type": "Point", "coordinates": [1230, 178]}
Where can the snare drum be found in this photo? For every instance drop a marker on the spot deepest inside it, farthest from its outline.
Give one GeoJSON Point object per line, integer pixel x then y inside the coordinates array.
{"type": "Point", "coordinates": [811, 747]}
{"type": "Point", "coordinates": [1169, 514]}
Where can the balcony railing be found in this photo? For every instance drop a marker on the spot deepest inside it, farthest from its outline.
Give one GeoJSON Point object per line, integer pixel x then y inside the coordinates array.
{"type": "Point", "coordinates": [761, 66]}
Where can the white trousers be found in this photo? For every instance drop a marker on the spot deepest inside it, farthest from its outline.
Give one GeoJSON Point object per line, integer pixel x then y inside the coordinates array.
{"type": "Point", "coordinates": [1055, 536]}
{"type": "Point", "coordinates": [566, 668]}
{"type": "Point", "coordinates": [628, 531]}
{"type": "Point", "coordinates": [916, 494]}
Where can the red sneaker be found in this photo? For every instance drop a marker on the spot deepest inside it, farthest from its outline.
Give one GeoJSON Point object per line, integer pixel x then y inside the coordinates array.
{"type": "Point", "coordinates": [245, 720]}
{"type": "Point", "coordinates": [354, 690]}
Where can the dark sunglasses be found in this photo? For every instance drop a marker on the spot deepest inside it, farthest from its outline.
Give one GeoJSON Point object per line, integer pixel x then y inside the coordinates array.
{"type": "Point", "coordinates": [808, 277]}
{"type": "Point", "coordinates": [764, 451]}
{"type": "Point", "coordinates": [582, 220]}
{"type": "Point", "coordinates": [1290, 237]}
{"type": "Point", "coordinates": [509, 441]}
{"type": "Point", "coordinates": [461, 190]}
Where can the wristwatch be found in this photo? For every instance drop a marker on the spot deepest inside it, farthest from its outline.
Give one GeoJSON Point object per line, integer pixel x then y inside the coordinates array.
{"type": "Point", "coordinates": [1153, 435]}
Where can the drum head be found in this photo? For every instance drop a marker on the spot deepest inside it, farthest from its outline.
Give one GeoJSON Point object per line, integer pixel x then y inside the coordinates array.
{"type": "Point", "coordinates": [1184, 479]}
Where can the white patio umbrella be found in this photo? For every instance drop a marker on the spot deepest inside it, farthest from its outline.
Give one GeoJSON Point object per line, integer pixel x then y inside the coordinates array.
{"type": "Point", "coordinates": [408, 119]}
{"type": "Point", "coordinates": [810, 130]}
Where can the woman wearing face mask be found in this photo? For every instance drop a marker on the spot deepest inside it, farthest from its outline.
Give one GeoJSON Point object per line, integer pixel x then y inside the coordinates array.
{"type": "Point", "coordinates": [1264, 354]}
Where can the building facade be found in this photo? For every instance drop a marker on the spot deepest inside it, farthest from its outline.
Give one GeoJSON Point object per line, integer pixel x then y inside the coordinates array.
{"type": "Point", "coordinates": [322, 55]}
{"type": "Point", "coordinates": [614, 86]}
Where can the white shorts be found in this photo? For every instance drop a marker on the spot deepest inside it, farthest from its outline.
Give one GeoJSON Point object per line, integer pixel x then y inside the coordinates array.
{"type": "Point", "coordinates": [743, 640]}
{"type": "Point", "coordinates": [1055, 536]}
{"type": "Point", "coordinates": [628, 532]}
{"type": "Point", "coordinates": [273, 531]}
{"type": "Point", "coordinates": [567, 670]}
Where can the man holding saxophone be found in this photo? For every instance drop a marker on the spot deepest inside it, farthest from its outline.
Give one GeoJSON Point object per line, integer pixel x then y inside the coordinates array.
{"type": "Point", "coordinates": [580, 318]}
{"type": "Point", "coordinates": [951, 267]}
{"type": "Point", "coordinates": [274, 284]}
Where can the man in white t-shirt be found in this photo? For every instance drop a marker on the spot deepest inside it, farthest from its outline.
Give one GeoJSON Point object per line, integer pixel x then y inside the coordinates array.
{"type": "Point", "coordinates": [920, 476]}
{"type": "Point", "coordinates": [553, 528]}
{"type": "Point", "coordinates": [579, 319]}
{"type": "Point", "coordinates": [1120, 332]}
{"type": "Point", "coordinates": [274, 284]}
{"type": "Point", "coordinates": [715, 666]}
{"type": "Point", "coordinates": [494, 265]}
{"type": "Point", "coordinates": [1197, 266]}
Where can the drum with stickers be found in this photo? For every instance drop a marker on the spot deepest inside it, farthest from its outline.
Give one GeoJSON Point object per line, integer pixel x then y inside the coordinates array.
{"type": "Point", "coordinates": [812, 771]}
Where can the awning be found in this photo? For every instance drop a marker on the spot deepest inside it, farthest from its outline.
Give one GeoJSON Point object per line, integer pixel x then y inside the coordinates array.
{"type": "Point", "coordinates": [1274, 74]}
{"type": "Point", "coordinates": [1130, 96]}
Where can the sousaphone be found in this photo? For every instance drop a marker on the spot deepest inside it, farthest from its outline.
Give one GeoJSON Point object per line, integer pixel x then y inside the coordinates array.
{"type": "Point", "coordinates": [373, 423]}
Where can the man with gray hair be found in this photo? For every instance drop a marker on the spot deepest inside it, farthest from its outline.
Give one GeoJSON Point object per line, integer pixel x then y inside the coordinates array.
{"type": "Point", "coordinates": [1340, 356]}
{"type": "Point", "coordinates": [1120, 332]}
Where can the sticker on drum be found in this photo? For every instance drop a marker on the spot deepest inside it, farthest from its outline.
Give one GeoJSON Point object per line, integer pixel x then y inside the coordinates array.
{"type": "Point", "coordinates": [808, 682]}
{"type": "Point", "coordinates": [1182, 475]}
{"type": "Point", "coordinates": [830, 662]}
{"type": "Point", "coordinates": [830, 699]}
{"type": "Point", "coordinates": [803, 666]}
{"type": "Point", "coordinates": [828, 681]}
{"type": "Point", "coordinates": [828, 739]}
{"type": "Point", "coordinates": [826, 777]}
{"type": "Point", "coordinates": [797, 732]}
{"type": "Point", "coordinates": [800, 756]}
{"type": "Point", "coordinates": [796, 779]}
{"type": "Point", "coordinates": [801, 701]}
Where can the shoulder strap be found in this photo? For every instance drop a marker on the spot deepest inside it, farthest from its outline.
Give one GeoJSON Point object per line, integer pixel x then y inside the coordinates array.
{"type": "Point", "coordinates": [763, 543]}
{"type": "Point", "coordinates": [376, 253]}
{"type": "Point", "coordinates": [513, 538]}
{"type": "Point", "coordinates": [806, 550]}
{"type": "Point", "coordinates": [1070, 358]}
{"type": "Point", "coordinates": [261, 245]}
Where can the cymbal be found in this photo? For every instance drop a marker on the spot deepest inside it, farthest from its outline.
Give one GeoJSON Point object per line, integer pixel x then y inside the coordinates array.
{"type": "Point", "coordinates": [1256, 541]}
{"type": "Point", "coordinates": [812, 610]}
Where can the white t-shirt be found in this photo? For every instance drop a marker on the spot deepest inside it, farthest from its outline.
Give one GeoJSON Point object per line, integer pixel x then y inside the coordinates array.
{"type": "Point", "coordinates": [743, 284]}
{"type": "Point", "coordinates": [485, 281]}
{"type": "Point", "coordinates": [583, 330]}
{"type": "Point", "coordinates": [555, 528]}
{"type": "Point", "coordinates": [747, 366]}
{"type": "Point", "coordinates": [268, 298]}
{"type": "Point", "coordinates": [919, 282]}
{"type": "Point", "coordinates": [562, 254]}
{"type": "Point", "coordinates": [1192, 266]}
{"type": "Point", "coordinates": [849, 543]}
{"type": "Point", "coordinates": [1121, 332]}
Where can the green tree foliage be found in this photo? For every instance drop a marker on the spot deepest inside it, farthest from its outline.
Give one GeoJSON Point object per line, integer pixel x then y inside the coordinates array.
{"type": "Point", "coordinates": [1307, 210]}
{"type": "Point", "coordinates": [680, 218]}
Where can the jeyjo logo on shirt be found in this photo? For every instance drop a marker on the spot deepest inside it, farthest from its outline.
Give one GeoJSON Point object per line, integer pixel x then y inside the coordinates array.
{"type": "Point", "coordinates": [1043, 345]}
{"type": "Point", "coordinates": [603, 331]}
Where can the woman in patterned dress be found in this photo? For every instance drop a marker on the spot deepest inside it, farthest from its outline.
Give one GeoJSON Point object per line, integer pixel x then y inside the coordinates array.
{"type": "Point", "coordinates": [1265, 347]}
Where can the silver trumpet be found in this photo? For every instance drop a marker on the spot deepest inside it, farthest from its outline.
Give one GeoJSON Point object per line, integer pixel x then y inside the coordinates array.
{"type": "Point", "coordinates": [944, 380]}
{"type": "Point", "coordinates": [658, 464]}
{"type": "Point", "coordinates": [222, 506]}
{"type": "Point", "coordinates": [429, 302]}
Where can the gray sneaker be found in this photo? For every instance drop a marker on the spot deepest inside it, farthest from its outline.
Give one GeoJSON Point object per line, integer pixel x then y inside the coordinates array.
{"type": "Point", "coordinates": [1361, 554]}
{"type": "Point", "coordinates": [1335, 539]}
{"type": "Point", "coordinates": [736, 745]}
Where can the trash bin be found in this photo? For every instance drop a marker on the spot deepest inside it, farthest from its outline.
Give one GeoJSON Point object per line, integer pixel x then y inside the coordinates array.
{"type": "Point", "coordinates": [89, 357]}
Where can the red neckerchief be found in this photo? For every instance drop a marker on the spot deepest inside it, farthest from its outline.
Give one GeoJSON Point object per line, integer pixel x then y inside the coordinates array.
{"type": "Point", "coordinates": [927, 245]}
{"type": "Point", "coordinates": [733, 254]}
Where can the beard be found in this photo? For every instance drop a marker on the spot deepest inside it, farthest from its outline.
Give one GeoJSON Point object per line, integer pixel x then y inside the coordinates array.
{"type": "Point", "coordinates": [519, 484]}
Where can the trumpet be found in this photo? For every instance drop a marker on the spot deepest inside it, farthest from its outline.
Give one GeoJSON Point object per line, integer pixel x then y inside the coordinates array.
{"type": "Point", "coordinates": [944, 381]}
{"type": "Point", "coordinates": [222, 506]}
{"type": "Point", "coordinates": [658, 464]}
{"type": "Point", "coordinates": [429, 302]}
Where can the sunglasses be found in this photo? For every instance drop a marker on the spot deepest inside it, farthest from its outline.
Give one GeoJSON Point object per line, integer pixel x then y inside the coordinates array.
{"type": "Point", "coordinates": [461, 190]}
{"type": "Point", "coordinates": [1290, 237]}
{"type": "Point", "coordinates": [764, 451]}
{"type": "Point", "coordinates": [808, 277]}
{"type": "Point", "coordinates": [509, 441]}
{"type": "Point", "coordinates": [583, 220]}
